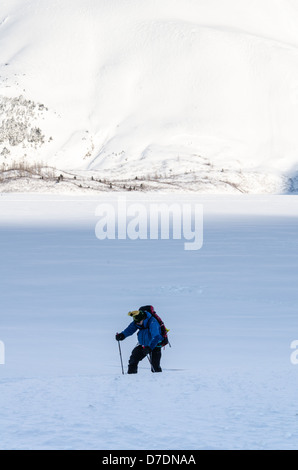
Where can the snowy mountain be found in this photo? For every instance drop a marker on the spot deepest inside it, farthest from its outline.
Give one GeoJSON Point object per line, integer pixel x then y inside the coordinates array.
{"type": "Point", "coordinates": [193, 94]}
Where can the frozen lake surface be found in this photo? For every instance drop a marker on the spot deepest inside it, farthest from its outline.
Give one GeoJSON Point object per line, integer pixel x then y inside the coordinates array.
{"type": "Point", "coordinates": [228, 381]}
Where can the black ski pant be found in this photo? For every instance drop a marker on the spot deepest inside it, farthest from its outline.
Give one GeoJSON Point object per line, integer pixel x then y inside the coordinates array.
{"type": "Point", "coordinates": [138, 355]}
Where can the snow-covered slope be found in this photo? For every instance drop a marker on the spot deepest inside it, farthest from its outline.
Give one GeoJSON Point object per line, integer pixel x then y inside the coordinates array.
{"type": "Point", "coordinates": [228, 381]}
{"type": "Point", "coordinates": [153, 88]}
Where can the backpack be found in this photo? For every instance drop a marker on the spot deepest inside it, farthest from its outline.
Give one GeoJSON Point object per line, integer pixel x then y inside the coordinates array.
{"type": "Point", "coordinates": [164, 331]}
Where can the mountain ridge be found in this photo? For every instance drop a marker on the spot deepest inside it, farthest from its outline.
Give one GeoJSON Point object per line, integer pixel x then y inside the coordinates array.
{"type": "Point", "coordinates": [152, 90]}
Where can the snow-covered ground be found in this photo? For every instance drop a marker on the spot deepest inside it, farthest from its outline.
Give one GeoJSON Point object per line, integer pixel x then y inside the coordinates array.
{"type": "Point", "coordinates": [190, 93]}
{"type": "Point", "coordinates": [228, 381]}
{"type": "Point", "coordinates": [106, 104]}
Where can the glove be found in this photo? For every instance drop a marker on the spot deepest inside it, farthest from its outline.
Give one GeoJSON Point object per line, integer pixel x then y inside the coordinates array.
{"type": "Point", "coordinates": [146, 350]}
{"type": "Point", "coordinates": [120, 337]}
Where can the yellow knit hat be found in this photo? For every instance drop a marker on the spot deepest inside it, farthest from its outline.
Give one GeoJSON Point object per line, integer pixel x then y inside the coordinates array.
{"type": "Point", "coordinates": [137, 315]}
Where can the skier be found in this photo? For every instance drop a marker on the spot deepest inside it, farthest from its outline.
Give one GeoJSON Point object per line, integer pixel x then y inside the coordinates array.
{"type": "Point", "coordinates": [149, 339]}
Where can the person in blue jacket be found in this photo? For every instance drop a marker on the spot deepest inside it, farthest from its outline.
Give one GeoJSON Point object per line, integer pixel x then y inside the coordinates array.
{"type": "Point", "coordinates": [149, 339]}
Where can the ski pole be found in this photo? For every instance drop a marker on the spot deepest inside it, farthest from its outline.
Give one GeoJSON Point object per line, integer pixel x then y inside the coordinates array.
{"type": "Point", "coordinates": [121, 358]}
{"type": "Point", "coordinates": [152, 368]}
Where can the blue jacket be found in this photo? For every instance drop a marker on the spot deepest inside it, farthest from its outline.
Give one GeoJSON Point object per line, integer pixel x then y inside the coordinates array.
{"type": "Point", "coordinates": [149, 333]}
